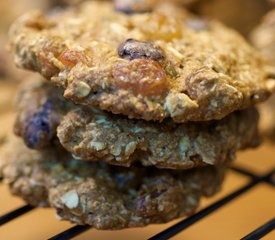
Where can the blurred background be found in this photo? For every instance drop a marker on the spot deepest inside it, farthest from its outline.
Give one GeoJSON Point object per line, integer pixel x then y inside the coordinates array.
{"type": "Point", "coordinates": [253, 19]}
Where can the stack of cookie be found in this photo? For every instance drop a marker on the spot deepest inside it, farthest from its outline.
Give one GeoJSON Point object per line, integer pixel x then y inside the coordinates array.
{"type": "Point", "coordinates": [165, 96]}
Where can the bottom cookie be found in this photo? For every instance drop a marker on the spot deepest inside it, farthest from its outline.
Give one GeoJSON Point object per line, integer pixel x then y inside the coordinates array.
{"type": "Point", "coordinates": [104, 196]}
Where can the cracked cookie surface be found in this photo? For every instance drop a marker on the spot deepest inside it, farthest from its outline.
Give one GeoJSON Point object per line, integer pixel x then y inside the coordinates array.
{"type": "Point", "coordinates": [151, 66]}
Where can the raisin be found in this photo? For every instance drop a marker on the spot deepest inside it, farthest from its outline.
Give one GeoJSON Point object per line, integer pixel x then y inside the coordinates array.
{"type": "Point", "coordinates": [133, 49]}
{"type": "Point", "coordinates": [38, 130]}
{"type": "Point", "coordinates": [141, 76]}
{"type": "Point", "coordinates": [70, 58]}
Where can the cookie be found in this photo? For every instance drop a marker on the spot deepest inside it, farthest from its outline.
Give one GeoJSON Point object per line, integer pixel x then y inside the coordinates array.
{"type": "Point", "coordinates": [106, 197]}
{"type": "Point", "coordinates": [242, 15]}
{"type": "Point", "coordinates": [91, 134]}
{"type": "Point", "coordinates": [151, 66]}
{"type": "Point", "coordinates": [263, 36]}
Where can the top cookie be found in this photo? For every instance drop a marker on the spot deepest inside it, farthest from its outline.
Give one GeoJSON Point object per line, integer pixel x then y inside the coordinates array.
{"type": "Point", "coordinates": [149, 66]}
{"type": "Point", "coordinates": [263, 36]}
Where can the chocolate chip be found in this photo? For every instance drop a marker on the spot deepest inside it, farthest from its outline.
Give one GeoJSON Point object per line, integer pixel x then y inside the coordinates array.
{"type": "Point", "coordinates": [133, 49]}
{"type": "Point", "coordinates": [197, 24]}
{"type": "Point", "coordinates": [38, 130]}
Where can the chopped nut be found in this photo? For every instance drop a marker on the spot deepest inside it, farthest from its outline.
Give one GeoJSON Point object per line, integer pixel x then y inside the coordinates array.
{"type": "Point", "coordinates": [117, 151]}
{"type": "Point", "coordinates": [174, 100]}
{"type": "Point", "coordinates": [130, 148]}
{"type": "Point", "coordinates": [82, 89]}
{"type": "Point", "coordinates": [98, 146]}
{"type": "Point", "coordinates": [70, 199]}
{"type": "Point", "coordinates": [184, 144]}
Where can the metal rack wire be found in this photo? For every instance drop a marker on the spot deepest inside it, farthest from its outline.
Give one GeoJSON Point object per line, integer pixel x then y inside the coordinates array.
{"type": "Point", "coordinates": [258, 233]}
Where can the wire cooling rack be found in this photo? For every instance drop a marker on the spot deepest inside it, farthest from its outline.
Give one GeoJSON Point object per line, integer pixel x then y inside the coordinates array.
{"type": "Point", "coordinates": [254, 180]}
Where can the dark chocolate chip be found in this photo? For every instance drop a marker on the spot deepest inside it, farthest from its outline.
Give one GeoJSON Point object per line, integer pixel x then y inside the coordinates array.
{"type": "Point", "coordinates": [133, 49]}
